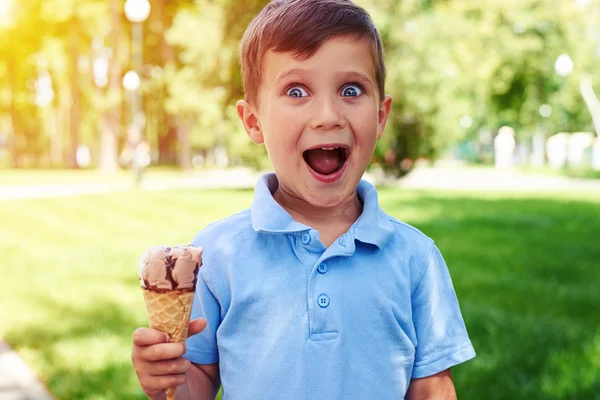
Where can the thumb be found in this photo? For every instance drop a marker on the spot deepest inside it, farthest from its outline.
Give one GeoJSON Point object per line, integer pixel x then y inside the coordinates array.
{"type": "Point", "coordinates": [196, 326]}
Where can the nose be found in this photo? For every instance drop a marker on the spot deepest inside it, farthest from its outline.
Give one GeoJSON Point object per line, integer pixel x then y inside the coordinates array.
{"type": "Point", "coordinates": [328, 114]}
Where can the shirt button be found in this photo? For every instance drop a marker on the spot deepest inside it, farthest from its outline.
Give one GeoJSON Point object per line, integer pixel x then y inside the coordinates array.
{"type": "Point", "coordinates": [322, 268]}
{"type": "Point", "coordinates": [305, 238]}
{"type": "Point", "coordinates": [323, 301]}
{"type": "Point", "coordinates": [342, 241]}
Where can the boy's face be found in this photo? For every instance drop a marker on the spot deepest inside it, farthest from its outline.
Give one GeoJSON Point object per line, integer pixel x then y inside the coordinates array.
{"type": "Point", "coordinates": [319, 118]}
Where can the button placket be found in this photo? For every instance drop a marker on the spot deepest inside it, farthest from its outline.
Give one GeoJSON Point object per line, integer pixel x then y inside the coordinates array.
{"type": "Point", "coordinates": [322, 314]}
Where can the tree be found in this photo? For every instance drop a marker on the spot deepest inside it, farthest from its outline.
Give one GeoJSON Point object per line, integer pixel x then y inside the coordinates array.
{"type": "Point", "coordinates": [18, 41]}
{"type": "Point", "coordinates": [489, 61]}
{"type": "Point", "coordinates": [455, 68]}
{"type": "Point", "coordinates": [172, 136]}
{"type": "Point", "coordinates": [52, 38]}
{"type": "Point", "coordinates": [110, 121]}
{"type": "Point", "coordinates": [209, 75]}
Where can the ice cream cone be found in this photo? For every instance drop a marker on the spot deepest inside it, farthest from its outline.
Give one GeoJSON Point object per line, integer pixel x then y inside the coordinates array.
{"type": "Point", "coordinates": [168, 277]}
{"type": "Point", "coordinates": [169, 312]}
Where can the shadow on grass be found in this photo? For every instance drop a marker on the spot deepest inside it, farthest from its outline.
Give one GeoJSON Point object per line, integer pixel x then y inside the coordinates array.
{"type": "Point", "coordinates": [101, 334]}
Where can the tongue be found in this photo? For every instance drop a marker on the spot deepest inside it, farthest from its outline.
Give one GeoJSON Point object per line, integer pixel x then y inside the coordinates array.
{"type": "Point", "coordinates": [324, 162]}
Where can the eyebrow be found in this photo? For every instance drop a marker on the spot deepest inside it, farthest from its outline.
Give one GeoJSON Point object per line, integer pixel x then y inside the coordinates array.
{"type": "Point", "coordinates": [303, 73]}
{"type": "Point", "coordinates": [353, 75]}
{"type": "Point", "coordinates": [293, 72]}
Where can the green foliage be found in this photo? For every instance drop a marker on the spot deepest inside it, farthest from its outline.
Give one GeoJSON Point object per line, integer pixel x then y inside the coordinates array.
{"type": "Point", "coordinates": [208, 73]}
{"type": "Point", "coordinates": [490, 60]}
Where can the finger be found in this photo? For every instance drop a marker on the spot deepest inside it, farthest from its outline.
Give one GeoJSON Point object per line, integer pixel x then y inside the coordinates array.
{"type": "Point", "coordinates": [163, 351]}
{"type": "Point", "coordinates": [159, 395]}
{"type": "Point", "coordinates": [196, 326]}
{"type": "Point", "coordinates": [170, 367]}
{"type": "Point", "coordinates": [160, 383]}
{"type": "Point", "coordinates": [149, 336]}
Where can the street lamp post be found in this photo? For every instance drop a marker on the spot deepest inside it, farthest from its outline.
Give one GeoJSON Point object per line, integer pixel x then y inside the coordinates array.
{"type": "Point", "coordinates": [563, 67]}
{"type": "Point", "coordinates": [538, 141]}
{"type": "Point", "coordinates": [136, 11]}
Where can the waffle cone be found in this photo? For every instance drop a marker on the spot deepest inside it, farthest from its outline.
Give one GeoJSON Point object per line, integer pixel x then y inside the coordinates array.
{"type": "Point", "coordinates": [169, 312]}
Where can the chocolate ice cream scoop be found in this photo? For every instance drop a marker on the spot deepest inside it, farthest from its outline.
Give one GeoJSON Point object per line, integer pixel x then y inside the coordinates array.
{"type": "Point", "coordinates": [163, 268]}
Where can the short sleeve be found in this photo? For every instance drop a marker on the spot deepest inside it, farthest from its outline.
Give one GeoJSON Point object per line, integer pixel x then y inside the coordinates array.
{"type": "Point", "coordinates": [442, 339]}
{"type": "Point", "coordinates": [202, 348]}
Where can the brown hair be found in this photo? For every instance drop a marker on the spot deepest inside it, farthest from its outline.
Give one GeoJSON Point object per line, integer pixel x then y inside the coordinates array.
{"type": "Point", "coordinates": [301, 27]}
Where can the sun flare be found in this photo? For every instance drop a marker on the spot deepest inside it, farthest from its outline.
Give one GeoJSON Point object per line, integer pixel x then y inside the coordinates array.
{"type": "Point", "coordinates": [5, 11]}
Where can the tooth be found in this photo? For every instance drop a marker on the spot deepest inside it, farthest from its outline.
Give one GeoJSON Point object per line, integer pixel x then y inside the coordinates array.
{"type": "Point", "coordinates": [327, 148]}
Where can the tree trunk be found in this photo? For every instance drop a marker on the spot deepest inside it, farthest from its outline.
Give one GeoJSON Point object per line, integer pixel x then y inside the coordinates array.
{"type": "Point", "coordinates": [14, 115]}
{"type": "Point", "coordinates": [75, 98]}
{"type": "Point", "coordinates": [166, 143]}
{"type": "Point", "coordinates": [185, 147]}
{"type": "Point", "coordinates": [51, 121]}
{"type": "Point", "coordinates": [58, 149]}
{"type": "Point", "coordinates": [111, 120]}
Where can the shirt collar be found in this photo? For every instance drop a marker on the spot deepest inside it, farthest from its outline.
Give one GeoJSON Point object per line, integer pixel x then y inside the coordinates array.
{"type": "Point", "coordinates": [266, 214]}
{"type": "Point", "coordinates": [373, 226]}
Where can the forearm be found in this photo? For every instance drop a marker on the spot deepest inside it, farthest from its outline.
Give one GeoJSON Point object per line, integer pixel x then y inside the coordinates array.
{"type": "Point", "coordinates": [435, 387]}
{"type": "Point", "coordinates": [446, 395]}
{"type": "Point", "coordinates": [199, 386]}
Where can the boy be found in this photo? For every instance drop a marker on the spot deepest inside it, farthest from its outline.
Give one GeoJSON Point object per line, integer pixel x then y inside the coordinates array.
{"type": "Point", "coordinates": [314, 292]}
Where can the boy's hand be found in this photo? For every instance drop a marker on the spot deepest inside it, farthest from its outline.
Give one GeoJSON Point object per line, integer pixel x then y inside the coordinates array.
{"type": "Point", "coordinates": [158, 364]}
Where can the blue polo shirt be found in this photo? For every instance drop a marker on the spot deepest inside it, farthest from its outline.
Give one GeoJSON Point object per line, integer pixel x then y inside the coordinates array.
{"type": "Point", "coordinates": [290, 319]}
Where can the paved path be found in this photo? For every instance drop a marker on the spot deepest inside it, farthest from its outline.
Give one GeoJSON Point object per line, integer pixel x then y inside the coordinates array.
{"type": "Point", "coordinates": [447, 178]}
{"type": "Point", "coordinates": [17, 382]}
{"type": "Point", "coordinates": [489, 179]}
{"type": "Point", "coordinates": [234, 178]}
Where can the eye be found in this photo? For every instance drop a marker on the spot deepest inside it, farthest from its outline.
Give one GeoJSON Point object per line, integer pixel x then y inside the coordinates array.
{"type": "Point", "coordinates": [297, 91]}
{"type": "Point", "coordinates": [352, 90]}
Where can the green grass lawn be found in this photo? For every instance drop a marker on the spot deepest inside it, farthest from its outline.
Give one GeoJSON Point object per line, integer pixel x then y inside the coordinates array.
{"type": "Point", "coordinates": [526, 270]}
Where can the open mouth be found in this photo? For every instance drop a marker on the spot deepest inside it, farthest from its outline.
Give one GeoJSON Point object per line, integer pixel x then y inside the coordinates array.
{"type": "Point", "coordinates": [326, 160]}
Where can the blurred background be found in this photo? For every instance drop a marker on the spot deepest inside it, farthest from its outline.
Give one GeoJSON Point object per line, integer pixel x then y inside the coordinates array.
{"type": "Point", "coordinates": [83, 83]}
{"type": "Point", "coordinates": [117, 119]}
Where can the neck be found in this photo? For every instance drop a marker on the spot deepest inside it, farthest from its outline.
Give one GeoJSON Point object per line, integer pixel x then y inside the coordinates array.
{"type": "Point", "coordinates": [340, 216]}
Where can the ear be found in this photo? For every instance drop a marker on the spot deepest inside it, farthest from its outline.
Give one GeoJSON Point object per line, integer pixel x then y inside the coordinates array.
{"type": "Point", "coordinates": [383, 115]}
{"type": "Point", "coordinates": [249, 118]}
